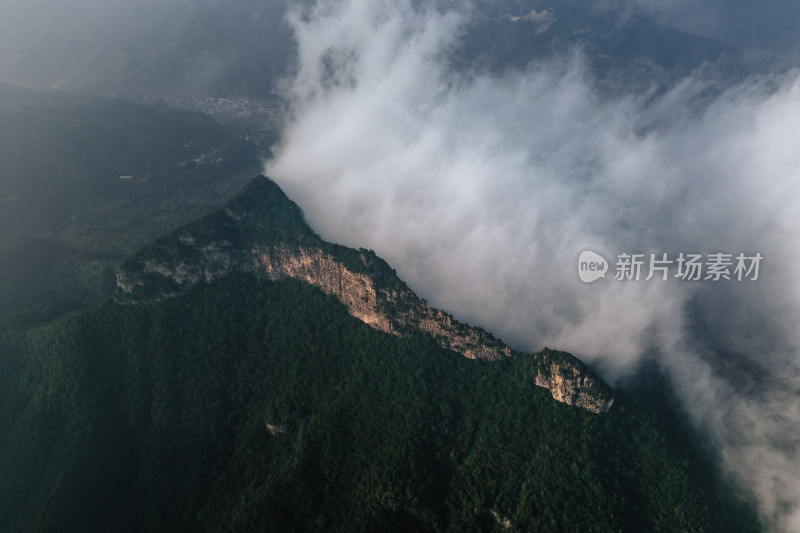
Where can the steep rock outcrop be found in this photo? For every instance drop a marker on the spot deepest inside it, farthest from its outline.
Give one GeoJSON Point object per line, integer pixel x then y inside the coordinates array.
{"type": "Point", "coordinates": [263, 233]}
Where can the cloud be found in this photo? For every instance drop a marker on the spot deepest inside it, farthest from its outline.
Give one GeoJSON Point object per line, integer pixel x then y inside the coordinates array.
{"type": "Point", "coordinates": [482, 192]}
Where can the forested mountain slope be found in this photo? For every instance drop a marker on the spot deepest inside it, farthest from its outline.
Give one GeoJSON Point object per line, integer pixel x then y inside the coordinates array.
{"type": "Point", "coordinates": [252, 405]}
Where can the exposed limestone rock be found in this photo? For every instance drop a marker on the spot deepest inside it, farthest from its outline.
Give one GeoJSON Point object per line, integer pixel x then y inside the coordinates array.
{"type": "Point", "coordinates": [505, 523]}
{"type": "Point", "coordinates": [275, 429]}
{"type": "Point", "coordinates": [315, 267]}
{"type": "Point", "coordinates": [569, 383]}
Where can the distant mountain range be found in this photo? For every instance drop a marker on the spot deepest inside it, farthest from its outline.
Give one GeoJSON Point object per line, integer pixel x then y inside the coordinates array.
{"type": "Point", "coordinates": [242, 48]}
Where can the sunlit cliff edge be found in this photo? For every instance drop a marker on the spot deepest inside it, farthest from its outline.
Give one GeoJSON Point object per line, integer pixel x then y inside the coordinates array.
{"type": "Point", "coordinates": [263, 233]}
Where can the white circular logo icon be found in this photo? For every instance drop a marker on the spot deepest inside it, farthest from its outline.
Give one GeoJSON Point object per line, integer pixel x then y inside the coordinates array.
{"type": "Point", "coordinates": [591, 266]}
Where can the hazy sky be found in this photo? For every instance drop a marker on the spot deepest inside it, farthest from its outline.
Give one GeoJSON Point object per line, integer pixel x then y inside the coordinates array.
{"type": "Point", "coordinates": [482, 191]}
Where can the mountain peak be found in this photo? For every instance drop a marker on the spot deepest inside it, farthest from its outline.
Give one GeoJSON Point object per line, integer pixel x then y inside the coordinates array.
{"type": "Point", "coordinates": [262, 232]}
{"type": "Point", "coordinates": [267, 215]}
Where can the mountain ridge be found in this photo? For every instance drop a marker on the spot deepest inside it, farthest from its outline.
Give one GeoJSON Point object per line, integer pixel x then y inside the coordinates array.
{"type": "Point", "coordinates": [262, 232]}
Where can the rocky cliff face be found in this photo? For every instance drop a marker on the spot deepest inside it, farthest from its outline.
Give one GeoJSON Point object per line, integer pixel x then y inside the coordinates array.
{"type": "Point", "coordinates": [262, 232]}
{"type": "Point", "coordinates": [568, 382]}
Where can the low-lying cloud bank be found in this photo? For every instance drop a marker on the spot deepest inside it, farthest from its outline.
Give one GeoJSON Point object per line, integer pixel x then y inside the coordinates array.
{"type": "Point", "coordinates": [482, 191]}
